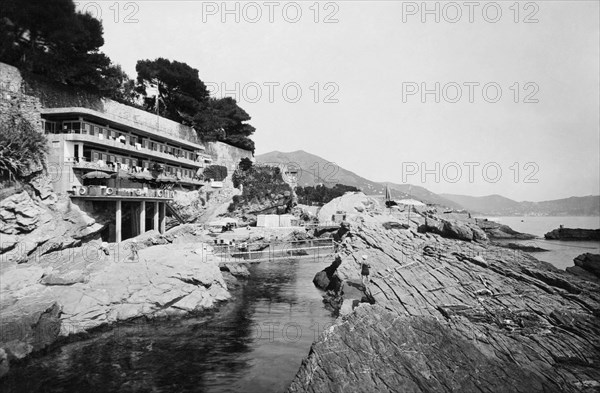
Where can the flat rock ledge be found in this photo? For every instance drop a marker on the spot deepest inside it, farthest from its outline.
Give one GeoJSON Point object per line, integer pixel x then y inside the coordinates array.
{"type": "Point", "coordinates": [455, 316]}
{"type": "Point", "coordinates": [73, 291]}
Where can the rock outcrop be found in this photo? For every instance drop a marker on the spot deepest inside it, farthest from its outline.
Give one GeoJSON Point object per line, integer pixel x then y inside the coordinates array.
{"type": "Point", "coordinates": [452, 315]}
{"type": "Point", "coordinates": [263, 191]}
{"type": "Point", "coordinates": [203, 205]}
{"type": "Point", "coordinates": [523, 247]}
{"type": "Point", "coordinates": [30, 228]}
{"type": "Point", "coordinates": [453, 229]}
{"type": "Point", "coordinates": [496, 230]}
{"type": "Point", "coordinates": [573, 234]}
{"type": "Point", "coordinates": [351, 203]}
{"type": "Point", "coordinates": [72, 291]}
{"type": "Point", "coordinates": [589, 262]}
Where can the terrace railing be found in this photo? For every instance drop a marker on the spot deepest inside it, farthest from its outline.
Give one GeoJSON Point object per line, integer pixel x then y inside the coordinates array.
{"type": "Point", "coordinates": [270, 251]}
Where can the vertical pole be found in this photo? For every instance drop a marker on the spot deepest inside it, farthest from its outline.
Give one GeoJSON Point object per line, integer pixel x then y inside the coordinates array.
{"type": "Point", "coordinates": [156, 217]}
{"type": "Point", "coordinates": [318, 251]}
{"type": "Point", "coordinates": [118, 222]}
{"type": "Point", "coordinates": [142, 217]}
{"type": "Point", "coordinates": [163, 217]}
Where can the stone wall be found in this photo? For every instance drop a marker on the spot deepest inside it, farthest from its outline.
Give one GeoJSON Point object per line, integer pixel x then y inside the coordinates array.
{"type": "Point", "coordinates": [13, 101]}
{"type": "Point", "coordinates": [227, 155]}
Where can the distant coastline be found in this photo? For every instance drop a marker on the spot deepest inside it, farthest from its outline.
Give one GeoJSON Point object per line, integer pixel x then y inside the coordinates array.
{"type": "Point", "coordinates": [539, 225]}
{"type": "Point", "coordinates": [489, 216]}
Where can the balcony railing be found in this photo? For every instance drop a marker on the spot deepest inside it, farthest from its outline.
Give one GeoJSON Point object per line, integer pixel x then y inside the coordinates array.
{"type": "Point", "coordinates": [84, 163]}
{"type": "Point", "coordinates": [121, 192]}
{"type": "Point", "coordinates": [117, 144]}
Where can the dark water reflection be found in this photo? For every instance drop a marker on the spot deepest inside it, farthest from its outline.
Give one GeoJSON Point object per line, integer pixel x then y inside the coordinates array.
{"type": "Point", "coordinates": [254, 343]}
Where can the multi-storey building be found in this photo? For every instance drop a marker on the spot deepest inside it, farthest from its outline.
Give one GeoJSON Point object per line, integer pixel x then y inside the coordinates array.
{"type": "Point", "coordinates": [123, 158]}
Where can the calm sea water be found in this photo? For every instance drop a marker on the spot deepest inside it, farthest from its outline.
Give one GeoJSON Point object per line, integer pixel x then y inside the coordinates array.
{"type": "Point", "coordinates": [561, 253]}
{"type": "Point", "coordinates": [254, 343]}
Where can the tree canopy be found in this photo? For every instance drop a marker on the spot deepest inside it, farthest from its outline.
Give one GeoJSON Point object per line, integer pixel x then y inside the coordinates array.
{"type": "Point", "coordinates": [224, 120]}
{"type": "Point", "coordinates": [50, 38]}
{"type": "Point", "coordinates": [184, 98]}
{"type": "Point", "coordinates": [320, 194]}
{"type": "Point", "coordinates": [181, 92]}
{"type": "Point", "coordinates": [245, 164]}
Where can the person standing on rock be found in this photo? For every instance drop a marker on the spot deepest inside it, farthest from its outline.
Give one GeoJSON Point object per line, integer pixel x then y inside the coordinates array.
{"type": "Point", "coordinates": [365, 271]}
{"type": "Point", "coordinates": [104, 248]}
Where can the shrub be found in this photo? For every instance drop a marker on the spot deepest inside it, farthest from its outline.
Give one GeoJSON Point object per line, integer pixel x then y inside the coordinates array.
{"type": "Point", "coordinates": [22, 149]}
{"type": "Point", "coordinates": [215, 172]}
{"type": "Point", "coordinates": [245, 164]}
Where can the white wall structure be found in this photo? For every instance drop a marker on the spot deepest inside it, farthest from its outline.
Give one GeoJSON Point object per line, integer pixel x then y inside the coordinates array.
{"type": "Point", "coordinates": [276, 221]}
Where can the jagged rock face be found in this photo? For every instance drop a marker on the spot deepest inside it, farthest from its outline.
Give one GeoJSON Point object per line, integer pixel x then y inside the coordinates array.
{"type": "Point", "coordinates": [30, 229]}
{"type": "Point", "coordinates": [589, 262]}
{"type": "Point", "coordinates": [72, 291]}
{"type": "Point", "coordinates": [18, 214]}
{"type": "Point", "coordinates": [3, 363]}
{"type": "Point", "coordinates": [455, 316]}
{"type": "Point", "coordinates": [199, 206]}
{"type": "Point", "coordinates": [453, 229]}
{"type": "Point", "coordinates": [406, 354]}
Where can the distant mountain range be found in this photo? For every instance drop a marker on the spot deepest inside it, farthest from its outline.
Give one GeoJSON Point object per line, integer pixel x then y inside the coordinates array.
{"type": "Point", "coordinates": [497, 205]}
{"type": "Point", "coordinates": [316, 170]}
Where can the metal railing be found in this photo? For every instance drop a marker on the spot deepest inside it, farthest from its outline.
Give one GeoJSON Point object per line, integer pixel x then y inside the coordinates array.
{"type": "Point", "coordinates": [85, 163]}
{"type": "Point", "coordinates": [265, 251]}
{"type": "Point", "coordinates": [119, 192]}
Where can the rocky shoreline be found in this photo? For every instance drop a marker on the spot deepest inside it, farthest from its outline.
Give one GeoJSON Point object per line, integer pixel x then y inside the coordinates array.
{"type": "Point", "coordinates": [573, 234]}
{"type": "Point", "coordinates": [74, 291]}
{"type": "Point", "coordinates": [454, 315]}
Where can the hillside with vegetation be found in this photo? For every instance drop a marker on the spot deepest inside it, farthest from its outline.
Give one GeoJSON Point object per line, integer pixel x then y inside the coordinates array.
{"type": "Point", "coordinates": [314, 170]}
{"type": "Point", "coordinates": [320, 195]}
{"type": "Point", "coordinates": [263, 191]}
{"type": "Point", "coordinates": [22, 149]}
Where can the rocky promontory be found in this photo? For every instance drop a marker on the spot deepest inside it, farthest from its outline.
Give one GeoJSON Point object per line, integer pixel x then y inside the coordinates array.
{"type": "Point", "coordinates": [454, 315]}
{"type": "Point", "coordinates": [73, 291]}
{"type": "Point", "coordinates": [499, 231]}
{"type": "Point", "coordinates": [573, 234]}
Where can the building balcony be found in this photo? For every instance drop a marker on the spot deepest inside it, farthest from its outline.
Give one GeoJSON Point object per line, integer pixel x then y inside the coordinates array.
{"type": "Point", "coordinates": [81, 163]}
{"type": "Point", "coordinates": [121, 146]}
{"type": "Point", "coordinates": [124, 193]}
{"type": "Point", "coordinates": [112, 169]}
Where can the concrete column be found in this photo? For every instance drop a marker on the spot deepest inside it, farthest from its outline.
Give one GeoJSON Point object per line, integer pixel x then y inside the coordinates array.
{"type": "Point", "coordinates": [156, 228]}
{"type": "Point", "coordinates": [118, 222]}
{"type": "Point", "coordinates": [142, 217]}
{"type": "Point", "coordinates": [163, 217]}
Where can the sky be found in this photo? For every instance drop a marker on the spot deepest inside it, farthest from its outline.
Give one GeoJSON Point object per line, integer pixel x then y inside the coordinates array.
{"type": "Point", "coordinates": [465, 98]}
